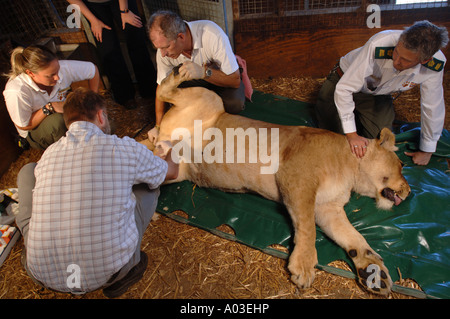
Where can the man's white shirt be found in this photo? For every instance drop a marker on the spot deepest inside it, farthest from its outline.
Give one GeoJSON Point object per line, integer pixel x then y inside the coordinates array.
{"type": "Point", "coordinates": [369, 69]}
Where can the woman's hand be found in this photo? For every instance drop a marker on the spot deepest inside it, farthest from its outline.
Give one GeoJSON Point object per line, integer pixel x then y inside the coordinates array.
{"type": "Point", "coordinates": [132, 19]}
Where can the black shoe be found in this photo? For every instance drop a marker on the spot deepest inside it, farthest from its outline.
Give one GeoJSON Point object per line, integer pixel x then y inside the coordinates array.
{"type": "Point", "coordinates": [134, 275]}
{"type": "Point", "coordinates": [23, 143]}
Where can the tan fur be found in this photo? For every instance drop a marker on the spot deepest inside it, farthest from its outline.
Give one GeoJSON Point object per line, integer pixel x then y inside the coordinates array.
{"type": "Point", "coordinates": [316, 175]}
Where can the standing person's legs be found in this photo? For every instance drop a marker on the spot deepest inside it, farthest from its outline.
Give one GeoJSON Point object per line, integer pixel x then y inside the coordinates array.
{"type": "Point", "coordinates": [112, 60]}
{"type": "Point", "coordinates": [136, 39]}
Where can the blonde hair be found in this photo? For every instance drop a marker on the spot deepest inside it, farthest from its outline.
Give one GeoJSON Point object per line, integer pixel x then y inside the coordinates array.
{"type": "Point", "coordinates": [33, 58]}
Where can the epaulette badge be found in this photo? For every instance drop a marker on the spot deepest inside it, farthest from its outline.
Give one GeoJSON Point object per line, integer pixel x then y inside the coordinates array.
{"type": "Point", "coordinates": [384, 52]}
{"type": "Point", "coordinates": [434, 64]}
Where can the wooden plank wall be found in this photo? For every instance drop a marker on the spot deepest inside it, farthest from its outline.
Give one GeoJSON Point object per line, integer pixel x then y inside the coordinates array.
{"type": "Point", "coordinates": [311, 45]}
{"type": "Point", "coordinates": [9, 149]}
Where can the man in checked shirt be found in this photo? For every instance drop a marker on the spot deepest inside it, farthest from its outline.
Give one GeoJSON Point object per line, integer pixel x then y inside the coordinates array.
{"type": "Point", "coordinates": [85, 205]}
{"type": "Point", "coordinates": [356, 97]}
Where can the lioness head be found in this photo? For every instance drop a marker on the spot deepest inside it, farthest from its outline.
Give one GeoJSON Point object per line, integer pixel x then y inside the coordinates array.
{"type": "Point", "coordinates": [381, 173]}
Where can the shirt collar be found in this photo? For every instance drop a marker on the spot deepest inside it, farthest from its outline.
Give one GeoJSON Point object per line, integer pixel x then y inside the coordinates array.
{"type": "Point", "coordinates": [413, 70]}
{"type": "Point", "coordinates": [29, 81]}
{"type": "Point", "coordinates": [390, 66]}
{"type": "Point", "coordinates": [84, 126]}
{"type": "Point", "coordinates": [196, 36]}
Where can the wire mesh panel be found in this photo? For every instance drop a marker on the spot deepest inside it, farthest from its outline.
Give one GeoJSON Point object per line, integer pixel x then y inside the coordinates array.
{"type": "Point", "coordinates": [190, 10]}
{"type": "Point", "coordinates": [27, 20]}
{"type": "Point", "coordinates": [266, 16]}
{"type": "Point", "coordinates": [250, 8]}
{"type": "Point", "coordinates": [256, 7]}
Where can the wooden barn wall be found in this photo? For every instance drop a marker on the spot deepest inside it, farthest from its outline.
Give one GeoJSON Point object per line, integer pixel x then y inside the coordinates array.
{"type": "Point", "coordinates": [9, 150]}
{"type": "Point", "coordinates": [311, 45]}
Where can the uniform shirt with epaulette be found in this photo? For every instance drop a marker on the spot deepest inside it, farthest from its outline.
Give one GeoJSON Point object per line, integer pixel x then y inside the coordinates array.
{"type": "Point", "coordinates": [369, 69]}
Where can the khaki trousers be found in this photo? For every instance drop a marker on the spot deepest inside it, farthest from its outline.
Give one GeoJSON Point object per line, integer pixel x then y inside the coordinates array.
{"type": "Point", "coordinates": [372, 112]}
{"type": "Point", "coordinates": [51, 129]}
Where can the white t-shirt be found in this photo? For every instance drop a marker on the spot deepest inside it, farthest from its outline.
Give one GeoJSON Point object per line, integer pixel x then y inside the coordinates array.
{"type": "Point", "coordinates": [210, 45]}
{"type": "Point", "coordinates": [23, 97]}
{"type": "Point", "coordinates": [369, 69]}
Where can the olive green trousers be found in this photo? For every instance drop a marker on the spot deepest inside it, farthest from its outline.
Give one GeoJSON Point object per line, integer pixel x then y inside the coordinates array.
{"type": "Point", "coordinates": [372, 112]}
{"type": "Point", "coordinates": [51, 129]}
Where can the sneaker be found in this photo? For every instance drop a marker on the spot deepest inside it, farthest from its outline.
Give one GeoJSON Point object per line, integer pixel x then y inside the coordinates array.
{"type": "Point", "coordinates": [134, 275]}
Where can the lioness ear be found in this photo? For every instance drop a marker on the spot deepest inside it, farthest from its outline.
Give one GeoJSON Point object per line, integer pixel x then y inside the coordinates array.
{"type": "Point", "coordinates": [387, 140]}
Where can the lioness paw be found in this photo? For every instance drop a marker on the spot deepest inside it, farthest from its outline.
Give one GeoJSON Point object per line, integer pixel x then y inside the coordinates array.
{"type": "Point", "coordinates": [302, 270]}
{"type": "Point", "coordinates": [371, 271]}
{"type": "Point", "coordinates": [304, 278]}
{"type": "Point", "coordinates": [375, 280]}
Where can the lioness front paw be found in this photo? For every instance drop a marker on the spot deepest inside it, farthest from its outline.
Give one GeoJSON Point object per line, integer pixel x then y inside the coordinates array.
{"type": "Point", "coordinates": [371, 271]}
{"type": "Point", "coordinates": [302, 269]}
{"type": "Point", "coordinates": [304, 278]}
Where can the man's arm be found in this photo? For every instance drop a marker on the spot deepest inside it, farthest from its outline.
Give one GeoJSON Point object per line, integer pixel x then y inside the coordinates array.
{"type": "Point", "coordinates": [173, 168]}
{"type": "Point", "coordinates": [164, 151]}
{"type": "Point", "coordinates": [194, 71]}
{"type": "Point", "coordinates": [36, 119]}
{"type": "Point", "coordinates": [94, 83]}
{"type": "Point", "coordinates": [351, 82]}
{"type": "Point", "coordinates": [159, 108]}
{"type": "Point", "coordinates": [432, 118]}
{"type": "Point", "coordinates": [221, 79]}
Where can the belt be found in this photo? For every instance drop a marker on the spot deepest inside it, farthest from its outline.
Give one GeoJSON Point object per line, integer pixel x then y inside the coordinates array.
{"type": "Point", "coordinates": [337, 69]}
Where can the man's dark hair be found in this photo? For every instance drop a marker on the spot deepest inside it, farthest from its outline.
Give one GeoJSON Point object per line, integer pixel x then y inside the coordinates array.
{"type": "Point", "coordinates": [424, 38]}
{"type": "Point", "coordinates": [82, 105]}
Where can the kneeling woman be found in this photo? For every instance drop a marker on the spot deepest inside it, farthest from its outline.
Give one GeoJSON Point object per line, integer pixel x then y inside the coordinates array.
{"type": "Point", "coordinates": [36, 90]}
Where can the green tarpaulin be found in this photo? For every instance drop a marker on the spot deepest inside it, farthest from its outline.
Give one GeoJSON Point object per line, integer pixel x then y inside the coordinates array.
{"type": "Point", "coordinates": [413, 238]}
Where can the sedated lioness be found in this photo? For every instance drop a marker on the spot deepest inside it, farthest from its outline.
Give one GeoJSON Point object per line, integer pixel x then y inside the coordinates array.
{"type": "Point", "coordinates": [316, 173]}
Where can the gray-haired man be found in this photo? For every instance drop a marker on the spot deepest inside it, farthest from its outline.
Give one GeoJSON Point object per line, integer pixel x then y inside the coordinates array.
{"type": "Point", "coordinates": [207, 57]}
{"type": "Point", "coordinates": [356, 97]}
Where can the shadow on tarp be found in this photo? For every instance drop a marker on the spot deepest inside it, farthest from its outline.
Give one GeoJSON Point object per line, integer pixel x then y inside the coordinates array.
{"type": "Point", "coordinates": [413, 238]}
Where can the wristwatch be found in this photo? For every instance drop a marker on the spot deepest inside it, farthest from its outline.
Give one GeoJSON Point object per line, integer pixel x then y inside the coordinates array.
{"type": "Point", "coordinates": [48, 109]}
{"type": "Point", "coordinates": [208, 73]}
